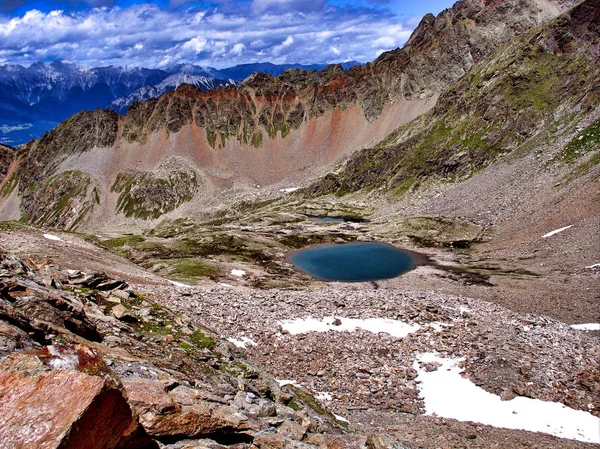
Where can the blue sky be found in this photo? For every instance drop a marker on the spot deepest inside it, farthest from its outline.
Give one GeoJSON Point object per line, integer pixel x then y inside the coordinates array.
{"type": "Point", "coordinates": [221, 33]}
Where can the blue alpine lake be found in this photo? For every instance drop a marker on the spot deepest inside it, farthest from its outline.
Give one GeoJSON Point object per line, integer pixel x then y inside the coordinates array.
{"type": "Point", "coordinates": [353, 262]}
{"type": "Point", "coordinates": [327, 219]}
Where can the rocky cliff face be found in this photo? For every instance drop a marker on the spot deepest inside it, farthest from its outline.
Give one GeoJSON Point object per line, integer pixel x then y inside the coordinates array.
{"type": "Point", "coordinates": [7, 155]}
{"type": "Point", "coordinates": [268, 128]}
{"type": "Point", "coordinates": [542, 82]}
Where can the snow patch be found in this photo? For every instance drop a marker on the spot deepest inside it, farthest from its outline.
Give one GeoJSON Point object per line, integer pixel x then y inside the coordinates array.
{"type": "Point", "coordinates": [242, 342]}
{"type": "Point", "coordinates": [289, 189]}
{"type": "Point", "coordinates": [395, 328]}
{"type": "Point", "coordinates": [447, 394]}
{"type": "Point", "coordinates": [340, 418]}
{"type": "Point", "coordinates": [179, 284]}
{"type": "Point", "coordinates": [52, 237]}
{"type": "Point", "coordinates": [323, 396]}
{"type": "Point", "coordinates": [586, 326]}
{"type": "Point", "coordinates": [438, 327]}
{"type": "Point", "coordinates": [556, 231]}
{"type": "Point", "coordinates": [238, 273]}
{"type": "Point", "coordinates": [283, 382]}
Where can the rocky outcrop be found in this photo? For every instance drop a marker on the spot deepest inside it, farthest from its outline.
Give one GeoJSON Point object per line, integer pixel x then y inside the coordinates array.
{"type": "Point", "coordinates": [79, 133]}
{"type": "Point", "coordinates": [85, 361]}
{"type": "Point", "coordinates": [180, 412]}
{"type": "Point", "coordinates": [150, 195]}
{"type": "Point", "coordinates": [545, 79]}
{"type": "Point", "coordinates": [64, 201]}
{"type": "Point", "coordinates": [7, 155]}
{"type": "Point", "coordinates": [61, 397]}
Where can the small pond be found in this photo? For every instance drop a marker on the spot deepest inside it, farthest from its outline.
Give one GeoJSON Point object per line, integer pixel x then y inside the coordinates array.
{"type": "Point", "coordinates": [354, 262]}
{"type": "Point", "coordinates": [327, 219]}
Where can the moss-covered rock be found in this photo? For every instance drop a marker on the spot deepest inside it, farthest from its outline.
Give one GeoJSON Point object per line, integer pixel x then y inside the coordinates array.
{"type": "Point", "coordinates": [64, 201]}
{"type": "Point", "coordinates": [150, 195]}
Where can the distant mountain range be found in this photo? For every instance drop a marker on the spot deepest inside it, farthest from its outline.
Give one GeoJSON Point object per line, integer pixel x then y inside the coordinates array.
{"type": "Point", "coordinates": [35, 99]}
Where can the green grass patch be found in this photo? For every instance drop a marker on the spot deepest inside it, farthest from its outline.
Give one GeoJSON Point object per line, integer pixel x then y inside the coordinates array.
{"type": "Point", "coordinates": [584, 168]}
{"type": "Point", "coordinates": [126, 240]}
{"type": "Point", "coordinates": [585, 141]}
{"type": "Point", "coordinates": [202, 340]}
{"type": "Point", "coordinates": [192, 269]}
{"type": "Point", "coordinates": [12, 225]}
{"type": "Point", "coordinates": [211, 137]}
{"type": "Point", "coordinates": [9, 186]}
{"type": "Point", "coordinates": [257, 139]}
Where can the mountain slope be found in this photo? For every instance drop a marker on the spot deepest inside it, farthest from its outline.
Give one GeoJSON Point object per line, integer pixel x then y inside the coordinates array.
{"type": "Point", "coordinates": [35, 99]}
{"type": "Point", "coordinates": [265, 130]}
{"type": "Point", "coordinates": [547, 77]}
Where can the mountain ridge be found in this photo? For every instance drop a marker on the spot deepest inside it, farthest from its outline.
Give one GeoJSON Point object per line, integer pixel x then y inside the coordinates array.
{"type": "Point", "coordinates": [37, 98]}
{"type": "Point", "coordinates": [267, 129]}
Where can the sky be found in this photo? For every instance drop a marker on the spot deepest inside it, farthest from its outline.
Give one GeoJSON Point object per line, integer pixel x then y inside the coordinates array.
{"type": "Point", "coordinates": [220, 33]}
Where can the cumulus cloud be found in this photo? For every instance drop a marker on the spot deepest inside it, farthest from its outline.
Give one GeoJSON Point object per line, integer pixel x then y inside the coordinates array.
{"type": "Point", "coordinates": [279, 31]}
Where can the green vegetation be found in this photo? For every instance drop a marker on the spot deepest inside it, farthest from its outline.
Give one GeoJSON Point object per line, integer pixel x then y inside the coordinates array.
{"type": "Point", "coordinates": [201, 340]}
{"type": "Point", "coordinates": [301, 399]}
{"type": "Point", "coordinates": [63, 201]}
{"type": "Point", "coordinates": [192, 269]}
{"type": "Point", "coordinates": [146, 196]}
{"type": "Point", "coordinates": [584, 168]}
{"type": "Point", "coordinates": [585, 141]}
{"type": "Point", "coordinates": [9, 185]}
{"type": "Point", "coordinates": [136, 301]}
{"type": "Point", "coordinates": [211, 137]}
{"type": "Point", "coordinates": [11, 225]}
{"type": "Point", "coordinates": [169, 229]}
{"type": "Point", "coordinates": [126, 240]}
{"type": "Point", "coordinates": [257, 139]}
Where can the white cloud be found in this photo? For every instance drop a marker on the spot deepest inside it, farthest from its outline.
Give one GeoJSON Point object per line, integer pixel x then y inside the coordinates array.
{"type": "Point", "coordinates": [195, 44]}
{"type": "Point", "coordinates": [237, 49]}
{"type": "Point", "coordinates": [285, 31]}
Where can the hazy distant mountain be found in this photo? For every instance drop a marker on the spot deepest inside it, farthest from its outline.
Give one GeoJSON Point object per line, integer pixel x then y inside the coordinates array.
{"type": "Point", "coordinates": [243, 71]}
{"type": "Point", "coordinates": [35, 99]}
{"type": "Point", "coordinates": [169, 84]}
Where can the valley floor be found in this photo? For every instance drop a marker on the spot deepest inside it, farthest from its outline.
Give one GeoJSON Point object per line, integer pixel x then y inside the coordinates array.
{"type": "Point", "coordinates": [376, 381]}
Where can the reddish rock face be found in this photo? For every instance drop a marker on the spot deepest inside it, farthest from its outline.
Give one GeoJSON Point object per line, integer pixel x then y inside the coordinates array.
{"type": "Point", "coordinates": [61, 408]}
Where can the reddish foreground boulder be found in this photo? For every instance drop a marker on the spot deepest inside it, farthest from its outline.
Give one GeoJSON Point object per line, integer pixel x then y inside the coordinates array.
{"type": "Point", "coordinates": [48, 400]}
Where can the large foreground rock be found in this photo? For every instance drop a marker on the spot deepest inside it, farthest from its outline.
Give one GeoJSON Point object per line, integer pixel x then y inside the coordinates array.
{"type": "Point", "coordinates": [48, 401]}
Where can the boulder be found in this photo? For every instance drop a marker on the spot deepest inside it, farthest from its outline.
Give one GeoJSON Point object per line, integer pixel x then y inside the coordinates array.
{"type": "Point", "coordinates": [50, 399]}
{"type": "Point", "coordinates": [162, 416]}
